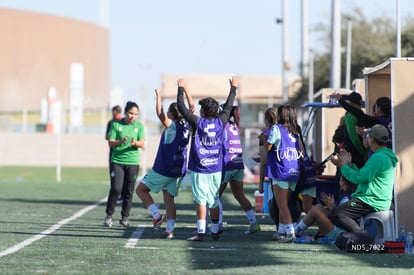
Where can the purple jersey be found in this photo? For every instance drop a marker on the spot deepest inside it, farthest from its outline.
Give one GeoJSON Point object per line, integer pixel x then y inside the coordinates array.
{"type": "Point", "coordinates": [283, 159]}
{"type": "Point", "coordinates": [233, 158]}
{"type": "Point", "coordinates": [171, 160]}
{"type": "Point", "coordinates": [206, 154]}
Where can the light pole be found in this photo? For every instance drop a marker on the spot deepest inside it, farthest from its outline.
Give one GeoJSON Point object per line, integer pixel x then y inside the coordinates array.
{"type": "Point", "coordinates": [311, 86]}
{"type": "Point", "coordinates": [335, 74]}
{"type": "Point", "coordinates": [285, 63]}
{"type": "Point", "coordinates": [398, 29]}
{"type": "Point", "coordinates": [348, 55]}
{"type": "Point", "coordinates": [305, 39]}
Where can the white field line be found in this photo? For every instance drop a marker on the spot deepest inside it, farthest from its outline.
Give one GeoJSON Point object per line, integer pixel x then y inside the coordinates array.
{"type": "Point", "coordinates": [50, 230]}
{"type": "Point", "coordinates": [136, 235]}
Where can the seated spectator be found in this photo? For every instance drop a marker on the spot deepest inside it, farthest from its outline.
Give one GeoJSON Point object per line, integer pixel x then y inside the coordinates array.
{"type": "Point", "coordinates": [319, 213]}
{"type": "Point", "coordinates": [375, 181]}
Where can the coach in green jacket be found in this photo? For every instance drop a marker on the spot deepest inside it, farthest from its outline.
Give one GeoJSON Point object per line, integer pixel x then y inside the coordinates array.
{"type": "Point", "coordinates": [375, 181]}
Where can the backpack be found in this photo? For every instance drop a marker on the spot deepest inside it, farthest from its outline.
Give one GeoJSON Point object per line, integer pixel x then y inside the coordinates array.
{"type": "Point", "coordinates": [356, 242]}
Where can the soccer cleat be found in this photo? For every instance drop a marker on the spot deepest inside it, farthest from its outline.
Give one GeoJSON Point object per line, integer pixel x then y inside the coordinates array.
{"type": "Point", "coordinates": [278, 236]}
{"type": "Point", "coordinates": [108, 221]}
{"type": "Point", "coordinates": [157, 222]}
{"type": "Point", "coordinates": [289, 238]}
{"type": "Point", "coordinates": [196, 238]}
{"type": "Point", "coordinates": [167, 235]}
{"type": "Point", "coordinates": [253, 228]}
{"type": "Point", "coordinates": [124, 222]}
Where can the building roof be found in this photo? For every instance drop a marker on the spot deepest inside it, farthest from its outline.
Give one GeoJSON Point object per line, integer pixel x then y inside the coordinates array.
{"type": "Point", "coordinates": [252, 89]}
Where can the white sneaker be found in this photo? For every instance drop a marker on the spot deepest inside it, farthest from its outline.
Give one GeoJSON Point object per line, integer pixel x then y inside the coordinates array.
{"type": "Point", "coordinates": [108, 221]}
{"type": "Point", "coordinates": [253, 228]}
{"type": "Point", "coordinates": [277, 236]}
{"type": "Point", "coordinates": [289, 238]}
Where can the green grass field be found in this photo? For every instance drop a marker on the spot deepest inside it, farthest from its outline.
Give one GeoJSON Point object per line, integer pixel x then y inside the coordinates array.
{"type": "Point", "coordinates": [61, 224]}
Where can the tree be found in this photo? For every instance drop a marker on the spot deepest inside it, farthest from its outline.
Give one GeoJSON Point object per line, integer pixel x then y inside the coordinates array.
{"type": "Point", "coordinates": [373, 42]}
{"type": "Point", "coordinates": [407, 38]}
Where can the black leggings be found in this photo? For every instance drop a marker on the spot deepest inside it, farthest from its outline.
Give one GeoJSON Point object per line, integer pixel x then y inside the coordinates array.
{"type": "Point", "coordinates": [346, 215]}
{"type": "Point", "coordinates": [123, 178]}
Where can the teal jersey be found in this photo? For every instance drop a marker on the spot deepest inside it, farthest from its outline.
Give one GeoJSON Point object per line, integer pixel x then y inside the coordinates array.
{"type": "Point", "coordinates": [126, 154]}
{"type": "Point", "coordinates": [375, 180]}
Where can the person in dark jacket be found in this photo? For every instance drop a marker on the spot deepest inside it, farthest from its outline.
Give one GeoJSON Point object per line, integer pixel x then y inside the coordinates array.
{"type": "Point", "coordinates": [381, 114]}
{"type": "Point", "coordinates": [352, 142]}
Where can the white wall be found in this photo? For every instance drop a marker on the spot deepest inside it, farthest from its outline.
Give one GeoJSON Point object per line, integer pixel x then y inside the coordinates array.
{"type": "Point", "coordinates": [40, 149]}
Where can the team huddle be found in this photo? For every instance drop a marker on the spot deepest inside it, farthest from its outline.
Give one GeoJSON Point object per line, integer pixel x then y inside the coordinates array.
{"type": "Point", "coordinates": [207, 149]}
{"type": "Point", "coordinates": [214, 160]}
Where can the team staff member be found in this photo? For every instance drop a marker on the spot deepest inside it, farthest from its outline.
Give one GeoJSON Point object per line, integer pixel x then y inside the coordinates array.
{"type": "Point", "coordinates": [125, 138]}
{"type": "Point", "coordinates": [375, 180]}
{"type": "Point", "coordinates": [116, 115]}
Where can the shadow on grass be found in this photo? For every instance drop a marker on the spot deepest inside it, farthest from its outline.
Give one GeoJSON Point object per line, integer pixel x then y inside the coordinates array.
{"type": "Point", "coordinates": [236, 250]}
{"type": "Point", "coordinates": [233, 250]}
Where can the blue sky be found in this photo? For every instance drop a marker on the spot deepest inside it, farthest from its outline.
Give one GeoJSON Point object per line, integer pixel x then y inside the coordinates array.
{"type": "Point", "coordinates": [149, 38]}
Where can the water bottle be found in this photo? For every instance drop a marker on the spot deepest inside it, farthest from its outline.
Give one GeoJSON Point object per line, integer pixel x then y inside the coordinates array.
{"type": "Point", "coordinates": [332, 100]}
{"type": "Point", "coordinates": [304, 240]}
{"type": "Point", "coordinates": [409, 243]}
{"type": "Point", "coordinates": [401, 237]}
{"type": "Point", "coordinates": [324, 240]}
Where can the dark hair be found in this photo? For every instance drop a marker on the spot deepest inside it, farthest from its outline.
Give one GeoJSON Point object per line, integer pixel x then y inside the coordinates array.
{"type": "Point", "coordinates": [117, 109]}
{"type": "Point", "coordinates": [235, 114]}
{"type": "Point", "coordinates": [270, 116]}
{"type": "Point", "coordinates": [287, 116]}
{"type": "Point", "coordinates": [384, 103]}
{"type": "Point", "coordinates": [129, 105]}
{"type": "Point", "coordinates": [173, 109]}
{"type": "Point", "coordinates": [210, 107]}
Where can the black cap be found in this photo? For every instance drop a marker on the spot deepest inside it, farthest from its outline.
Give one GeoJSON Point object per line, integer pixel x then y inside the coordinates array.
{"type": "Point", "coordinates": [354, 97]}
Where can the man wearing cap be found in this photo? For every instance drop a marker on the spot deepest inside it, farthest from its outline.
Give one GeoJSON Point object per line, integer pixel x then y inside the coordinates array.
{"type": "Point", "coordinates": [375, 180]}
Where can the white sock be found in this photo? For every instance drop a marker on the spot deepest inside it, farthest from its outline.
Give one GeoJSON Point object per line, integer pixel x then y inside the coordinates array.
{"type": "Point", "coordinates": [170, 225]}
{"type": "Point", "coordinates": [153, 210]}
{"type": "Point", "coordinates": [251, 217]}
{"type": "Point", "coordinates": [281, 229]}
{"type": "Point", "coordinates": [220, 207]}
{"type": "Point", "coordinates": [289, 229]}
{"type": "Point", "coordinates": [201, 226]}
{"type": "Point", "coordinates": [300, 228]}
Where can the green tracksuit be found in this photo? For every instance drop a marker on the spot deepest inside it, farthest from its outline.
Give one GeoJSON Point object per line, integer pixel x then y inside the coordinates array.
{"type": "Point", "coordinates": [375, 180]}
